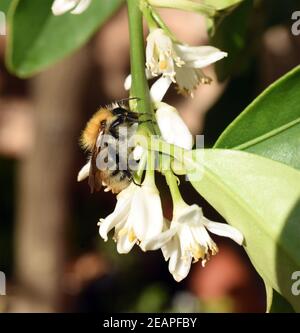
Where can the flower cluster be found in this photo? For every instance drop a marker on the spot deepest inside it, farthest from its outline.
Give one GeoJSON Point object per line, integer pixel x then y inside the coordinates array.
{"type": "Point", "coordinates": [138, 216]}
{"type": "Point", "coordinates": [138, 219]}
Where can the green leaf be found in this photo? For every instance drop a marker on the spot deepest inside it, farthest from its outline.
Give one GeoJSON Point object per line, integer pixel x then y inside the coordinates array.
{"type": "Point", "coordinates": [269, 297]}
{"type": "Point", "coordinates": [230, 35]}
{"type": "Point", "coordinates": [38, 39]}
{"type": "Point", "coordinates": [222, 4]}
{"type": "Point", "coordinates": [4, 5]}
{"type": "Point", "coordinates": [280, 304]}
{"type": "Point", "coordinates": [261, 198]}
{"type": "Point", "coordinates": [270, 125]}
{"type": "Point", "coordinates": [276, 303]}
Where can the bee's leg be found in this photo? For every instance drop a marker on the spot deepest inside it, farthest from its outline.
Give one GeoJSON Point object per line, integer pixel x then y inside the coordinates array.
{"type": "Point", "coordinates": [114, 126]}
{"type": "Point", "coordinates": [135, 183]}
{"type": "Point", "coordinates": [135, 117]}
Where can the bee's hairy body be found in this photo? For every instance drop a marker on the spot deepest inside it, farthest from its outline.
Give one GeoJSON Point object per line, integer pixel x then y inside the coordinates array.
{"type": "Point", "coordinates": [108, 121]}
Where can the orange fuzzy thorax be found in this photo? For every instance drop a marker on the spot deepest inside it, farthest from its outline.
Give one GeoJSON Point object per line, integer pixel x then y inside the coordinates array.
{"type": "Point", "coordinates": [91, 131]}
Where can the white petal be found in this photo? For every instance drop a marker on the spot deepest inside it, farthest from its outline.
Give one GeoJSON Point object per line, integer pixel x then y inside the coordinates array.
{"type": "Point", "coordinates": [119, 215]}
{"type": "Point", "coordinates": [203, 237]}
{"type": "Point", "coordinates": [167, 250]}
{"type": "Point", "coordinates": [199, 56]}
{"type": "Point", "coordinates": [172, 127]}
{"type": "Point", "coordinates": [172, 252]}
{"type": "Point", "coordinates": [150, 49]}
{"type": "Point", "coordinates": [106, 225]}
{"type": "Point", "coordinates": [128, 192]}
{"type": "Point", "coordinates": [186, 239]}
{"type": "Point", "coordinates": [146, 214]}
{"type": "Point", "coordinates": [225, 230]}
{"type": "Point", "coordinates": [124, 245]}
{"type": "Point", "coordinates": [188, 78]}
{"type": "Point", "coordinates": [179, 262]}
{"type": "Point", "coordinates": [127, 82]}
{"type": "Point", "coordinates": [60, 7]}
{"type": "Point", "coordinates": [81, 7]}
{"type": "Point", "coordinates": [191, 214]}
{"type": "Point", "coordinates": [160, 55]}
{"type": "Point", "coordinates": [182, 268]}
{"type": "Point", "coordinates": [158, 241]}
{"type": "Point", "coordinates": [138, 153]}
{"type": "Point", "coordinates": [159, 89]}
{"type": "Point", "coordinates": [84, 172]}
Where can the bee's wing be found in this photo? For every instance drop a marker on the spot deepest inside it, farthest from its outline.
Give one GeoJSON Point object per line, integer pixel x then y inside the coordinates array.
{"type": "Point", "coordinates": [94, 174]}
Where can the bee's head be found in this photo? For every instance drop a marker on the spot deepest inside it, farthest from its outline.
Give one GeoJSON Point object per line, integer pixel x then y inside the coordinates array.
{"type": "Point", "coordinates": [119, 111]}
{"type": "Point", "coordinates": [94, 126]}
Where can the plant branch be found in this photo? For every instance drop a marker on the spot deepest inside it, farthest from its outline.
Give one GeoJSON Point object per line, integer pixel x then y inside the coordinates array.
{"type": "Point", "coordinates": [139, 86]}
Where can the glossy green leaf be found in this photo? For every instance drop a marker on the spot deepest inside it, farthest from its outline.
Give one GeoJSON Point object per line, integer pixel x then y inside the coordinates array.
{"type": "Point", "coordinates": [270, 125]}
{"type": "Point", "coordinates": [276, 303]}
{"type": "Point", "coordinates": [229, 33]}
{"type": "Point", "coordinates": [222, 4]}
{"type": "Point", "coordinates": [38, 39]}
{"type": "Point", "coordinates": [261, 198]}
{"type": "Point", "coordinates": [4, 5]}
{"type": "Point", "coordinates": [279, 304]}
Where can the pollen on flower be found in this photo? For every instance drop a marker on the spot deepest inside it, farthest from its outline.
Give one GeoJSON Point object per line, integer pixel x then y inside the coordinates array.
{"type": "Point", "coordinates": [214, 249]}
{"type": "Point", "coordinates": [131, 236]}
{"type": "Point", "coordinates": [179, 62]}
{"type": "Point", "coordinates": [205, 80]}
{"type": "Point", "coordinates": [198, 252]}
{"type": "Point", "coordinates": [163, 64]}
{"type": "Point", "coordinates": [122, 232]}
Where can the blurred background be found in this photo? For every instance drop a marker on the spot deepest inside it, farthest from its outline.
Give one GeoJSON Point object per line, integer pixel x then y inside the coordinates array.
{"type": "Point", "coordinates": [50, 249]}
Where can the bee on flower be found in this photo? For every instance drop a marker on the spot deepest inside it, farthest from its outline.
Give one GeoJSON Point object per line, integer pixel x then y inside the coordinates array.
{"type": "Point", "coordinates": [138, 218]}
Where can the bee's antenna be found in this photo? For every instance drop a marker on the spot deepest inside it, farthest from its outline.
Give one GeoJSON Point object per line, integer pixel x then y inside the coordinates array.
{"type": "Point", "coordinates": [127, 100]}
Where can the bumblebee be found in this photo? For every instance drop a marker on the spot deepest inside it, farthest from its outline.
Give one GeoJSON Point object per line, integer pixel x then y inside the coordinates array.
{"type": "Point", "coordinates": [103, 139]}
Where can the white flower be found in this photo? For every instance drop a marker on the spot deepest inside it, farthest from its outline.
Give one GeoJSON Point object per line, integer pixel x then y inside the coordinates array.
{"type": "Point", "coordinates": [161, 57]}
{"type": "Point", "coordinates": [137, 217]}
{"type": "Point", "coordinates": [177, 62]}
{"type": "Point", "coordinates": [60, 7]}
{"type": "Point", "coordinates": [187, 239]}
{"type": "Point", "coordinates": [173, 129]}
{"type": "Point", "coordinates": [84, 172]}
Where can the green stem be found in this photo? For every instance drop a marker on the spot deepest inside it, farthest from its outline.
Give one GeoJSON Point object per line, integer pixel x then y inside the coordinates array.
{"type": "Point", "coordinates": [186, 5]}
{"type": "Point", "coordinates": [139, 86]}
{"type": "Point", "coordinates": [163, 25]}
{"type": "Point", "coordinates": [162, 146]}
{"type": "Point", "coordinates": [150, 171]}
{"type": "Point", "coordinates": [174, 189]}
{"type": "Point", "coordinates": [147, 13]}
